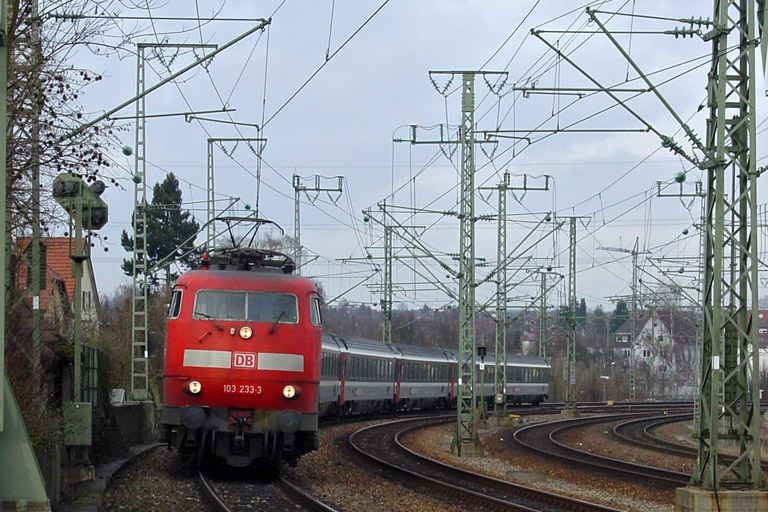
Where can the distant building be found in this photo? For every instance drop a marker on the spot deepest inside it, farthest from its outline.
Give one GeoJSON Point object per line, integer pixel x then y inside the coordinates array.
{"type": "Point", "coordinates": [665, 352]}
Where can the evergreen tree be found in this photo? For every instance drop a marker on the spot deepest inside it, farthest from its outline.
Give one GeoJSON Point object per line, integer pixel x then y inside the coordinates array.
{"type": "Point", "coordinates": [598, 318]}
{"type": "Point", "coordinates": [581, 313]}
{"type": "Point", "coordinates": [170, 229]}
{"type": "Point", "coordinates": [620, 315]}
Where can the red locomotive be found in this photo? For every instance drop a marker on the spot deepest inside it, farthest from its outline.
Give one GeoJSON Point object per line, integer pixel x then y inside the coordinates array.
{"type": "Point", "coordinates": [242, 371]}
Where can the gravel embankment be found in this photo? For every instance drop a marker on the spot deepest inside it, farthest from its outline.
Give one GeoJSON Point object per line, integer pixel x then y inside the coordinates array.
{"type": "Point", "coordinates": [339, 482]}
{"type": "Point", "coordinates": [163, 481]}
{"type": "Point", "coordinates": [156, 481]}
{"type": "Point", "coordinates": [507, 461]}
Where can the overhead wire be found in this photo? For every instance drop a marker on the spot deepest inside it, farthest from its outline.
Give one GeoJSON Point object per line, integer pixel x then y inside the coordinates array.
{"type": "Point", "coordinates": [326, 61]}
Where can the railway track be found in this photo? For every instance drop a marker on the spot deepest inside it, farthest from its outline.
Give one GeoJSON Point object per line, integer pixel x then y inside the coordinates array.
{"type": "Point", "coordinates": [274, 495]}
{"type": "Point", "coordinates": [542, 438]}
{"type": "Point", "coordinates": [380, 444]}
{"type": "Point", "coordinates": [640, 433]}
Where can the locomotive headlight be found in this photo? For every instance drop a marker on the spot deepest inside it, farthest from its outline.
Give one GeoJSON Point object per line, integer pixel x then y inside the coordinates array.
{"type": "Point", "coordinates": [246, 332]}
{"type": "Point", "coordinates": [289, 391]}
{"type": "Point", "coordinates": [194, 387]}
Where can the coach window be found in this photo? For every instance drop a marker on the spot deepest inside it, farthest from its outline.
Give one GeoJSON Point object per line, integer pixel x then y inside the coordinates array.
{"type": "Point", "coordinates": [314, 311]}
{"type": "Point", "coordinates": [175, 308]}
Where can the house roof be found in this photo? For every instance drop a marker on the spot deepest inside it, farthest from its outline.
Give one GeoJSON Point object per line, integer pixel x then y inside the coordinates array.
{"type": "Point", "coordinates": [680, 324]}
{"type": "Point", "coordinates": [58, 267]}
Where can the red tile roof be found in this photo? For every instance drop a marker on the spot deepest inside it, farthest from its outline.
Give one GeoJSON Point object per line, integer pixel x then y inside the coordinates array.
{"type": "Point", "coordinates": [58, 266]}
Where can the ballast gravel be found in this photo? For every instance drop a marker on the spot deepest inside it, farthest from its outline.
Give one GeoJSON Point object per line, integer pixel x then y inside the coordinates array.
{"type": "Point", "coordinates": [163, 481]}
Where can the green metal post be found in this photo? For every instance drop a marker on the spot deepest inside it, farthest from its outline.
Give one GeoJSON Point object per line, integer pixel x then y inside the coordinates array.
{"type": "Point", "coordinates": [139, 281]}
{"type": "Point", "coordinates": [633, 330]}
{"type": "Point", "coordinates": [22, 484]}
{"type": "Point", "coordinates": [386, 301]}
{"type": "Point", "coordinates": [570, 365]}
{"type": "Point", "coordinates": [500, 374]}
{"type": "Point", "coordinates": [466, 433]}
{"type": "Point", "coordinates": [466, 441]}
{"type": "Point", "coordinates": [77, 255]}
{"type": "Point", "coordinates": [297, 189]}
{"type": "Point", "coordinates": [729, 394]}
{"type": "Point", "coordinates": [210, 240]}
{"type": "Point", "coordinates": [543, 317]}
{"type": "Point", "coordinates": [502, 284]}
{"type": "Point", "coordinates": [633, 313]}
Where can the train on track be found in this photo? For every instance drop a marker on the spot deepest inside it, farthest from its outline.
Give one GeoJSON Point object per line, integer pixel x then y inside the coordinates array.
{"type": "Point", "coordinates": [248, 371]}
{"type": "Point", "coordinates": [360, 375]}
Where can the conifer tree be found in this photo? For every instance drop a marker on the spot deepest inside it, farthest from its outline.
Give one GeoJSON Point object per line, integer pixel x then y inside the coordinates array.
{"type": "Point", "coordinates": [170, 230]}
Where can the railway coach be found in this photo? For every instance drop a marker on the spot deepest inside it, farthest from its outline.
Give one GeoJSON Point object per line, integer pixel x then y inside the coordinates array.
{"type": "Point", "coordinates": [364, 376]}
{"type": "Point", "coordinates": [527, 379]}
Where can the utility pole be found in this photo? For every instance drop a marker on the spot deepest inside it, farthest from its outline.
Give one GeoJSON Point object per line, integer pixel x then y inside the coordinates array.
{"type": "Point", "coordinates": [680, 178]}
{"type": "Point", "coordinates": [299, 186]}
{"type": "Point", "coordinates": [729, 394]}
{"type": "Point", "coordinates": [500, 373]}
{"type": "Point", "coordinates": [466, 441]}
{"type": "Point", "coordinates": [570, 395]}
{"type": "Point", "coordinates": [386, 301]}
{"type": "Point", "coordinates": [543, 313]}
{"type": "Point", "coordinates": [17, 488]}
{"type": "Point", "coordinates": [633, 314]}
{"type": "Point", "coordinates": [570, 343]}
{"type": "Point", "coordinates": [139, 279]}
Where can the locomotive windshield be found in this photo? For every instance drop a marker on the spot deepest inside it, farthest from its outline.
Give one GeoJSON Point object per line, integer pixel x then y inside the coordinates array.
{"type": "Point", "coordinates": [249, 306]}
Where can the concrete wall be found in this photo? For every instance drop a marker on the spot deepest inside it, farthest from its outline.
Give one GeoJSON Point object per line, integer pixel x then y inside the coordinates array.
{"type": "Point", "coordinates": [136, 421]}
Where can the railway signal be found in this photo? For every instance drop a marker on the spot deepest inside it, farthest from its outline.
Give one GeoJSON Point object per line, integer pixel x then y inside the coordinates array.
{"type": "Point", "coordinates": [86, 211]}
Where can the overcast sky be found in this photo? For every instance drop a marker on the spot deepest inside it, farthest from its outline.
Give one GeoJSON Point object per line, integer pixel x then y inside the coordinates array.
{"type": "Point", "coordinates": [369, 92]}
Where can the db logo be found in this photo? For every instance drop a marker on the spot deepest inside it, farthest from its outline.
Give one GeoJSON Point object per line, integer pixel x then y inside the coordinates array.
{"type": "Point", "coordinates": [244, 360]}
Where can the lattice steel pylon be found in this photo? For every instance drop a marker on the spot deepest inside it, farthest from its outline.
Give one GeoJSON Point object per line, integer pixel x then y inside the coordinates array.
{"type": "Point", "coordinates": [570, 362]}
{"type": "Point", "coordinates": [500, 372]}
{"type": "Point", "coordinates": [632, 314]}
{"type": "Point", "coordinates": [729, 394]}
{"type": "Point", "coordinates": [466, 441]}
{"type": "Point", "coordinates": [502, 285]}
{"type": "Point", "coordinates": [386, 301]}
{"type": "Point", "coordinates": [543, 317]}
{"type": "Point", "coordinates": [140, 292]}
{"type": "Point", "coordinates": [466, 438]}
{"type": "Point", "coordinates": [139, 279]}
